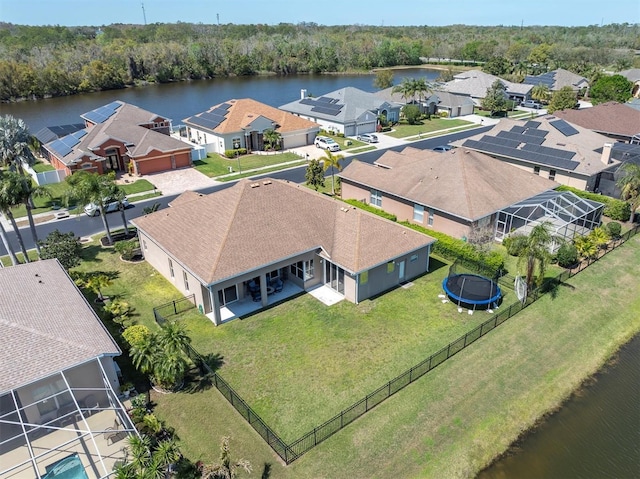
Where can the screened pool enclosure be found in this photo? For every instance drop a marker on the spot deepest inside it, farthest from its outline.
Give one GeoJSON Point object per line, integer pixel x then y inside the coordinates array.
{"type": "Point", "coordinates": [568, 215]}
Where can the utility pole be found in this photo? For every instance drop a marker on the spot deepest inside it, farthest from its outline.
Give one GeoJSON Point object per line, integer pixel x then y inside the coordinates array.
{"type": "Point", "coordinates": [218, 18]}
{"type": "Point", "coordinates": [144, 15]}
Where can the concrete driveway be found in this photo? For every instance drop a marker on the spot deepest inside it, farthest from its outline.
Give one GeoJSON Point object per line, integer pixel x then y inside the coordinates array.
{"type": "Point", "coordinates": [177, 181]}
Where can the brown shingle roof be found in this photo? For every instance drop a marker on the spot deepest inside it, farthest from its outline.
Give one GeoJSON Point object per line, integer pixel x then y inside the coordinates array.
{"type": "Point", "coordinates": [46, 324]}
{"type": "Point", "coordinates": [464, 183]}
{"type": "Point", "coordinates": [609, 118]}
{"type": "Point", "coordinates": [246, 227]}
{"type": "Point", "coordinates": [244, 111]}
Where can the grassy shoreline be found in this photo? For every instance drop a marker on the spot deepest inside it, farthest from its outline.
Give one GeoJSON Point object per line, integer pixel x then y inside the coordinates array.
{"type": "Point", "coordinates": [457, 419]}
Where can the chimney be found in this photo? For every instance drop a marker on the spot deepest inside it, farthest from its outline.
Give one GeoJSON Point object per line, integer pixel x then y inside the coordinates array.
{"type": "Point", "coordinates": [606, 153]}
{"type": "Point", "coordinates": [303, 94]}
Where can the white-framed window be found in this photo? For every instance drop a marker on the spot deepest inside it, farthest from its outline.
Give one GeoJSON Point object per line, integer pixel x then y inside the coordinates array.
{"type": "Point", "coordinates": [430, 221]}
{"type": "Point", "coordinates": [236, 142]}
{"type": "Point", "coordinates": [413, 258]}
{"type": "Point", "coordinates": [228, 295]}
{"type": "Point", "coordinates": [303, 269]}
{"type": "Point", "coordinates": [391, 267]}
{"type": "Point", "coordinates": [552, 175]}
{"type": "Point", "coordinates": [86, 166]}
{"type": "Point", "coordinates": [536, 170]}
{"type": "Point", "coordinates": [144, 244]}
{"type": "Point", "coordinates": [418, 213]}
{"type": "Point", "coordinates": [171, 272]}
{"type": "Point", "coordinates": [376, 198]}
{"type": "Point", "coordinates": [186, 280]}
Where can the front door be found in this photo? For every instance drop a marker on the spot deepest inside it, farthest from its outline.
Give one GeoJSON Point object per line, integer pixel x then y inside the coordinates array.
{"type": "Point", "coordinates": [401, 271]}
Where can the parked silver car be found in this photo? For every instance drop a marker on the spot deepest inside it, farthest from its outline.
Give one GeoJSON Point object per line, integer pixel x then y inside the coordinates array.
{"type": "Point", "coordinates": [368, 137]}
{"type": "Point", "coordinates": [109, 206]}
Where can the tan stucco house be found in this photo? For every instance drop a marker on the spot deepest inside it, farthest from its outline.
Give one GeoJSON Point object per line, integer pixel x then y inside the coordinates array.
{"type": "Point", "coordinates": [232, 245]}
{"type": "Point", "coordinates": [59, 406]}
{"type": "Point", "coordinates": [241, 124]}
{"type": "Point", "coordinates": [457, 192]}
{"type": "Point", "coordinates": [119, 137]}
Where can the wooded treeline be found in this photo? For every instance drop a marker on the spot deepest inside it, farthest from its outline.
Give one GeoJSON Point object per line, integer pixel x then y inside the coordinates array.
{"type": "Point", "coordinates": [36, 61]}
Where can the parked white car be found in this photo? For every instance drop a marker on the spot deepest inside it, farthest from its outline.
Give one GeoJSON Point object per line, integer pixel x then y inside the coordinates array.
{"type": "Point", "coordinates": [326, 143]}
{"type": "Point", "coordinates": [110, 206]}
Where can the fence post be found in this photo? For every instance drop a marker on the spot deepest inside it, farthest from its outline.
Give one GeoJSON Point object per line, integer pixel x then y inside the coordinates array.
{"type": "Point", "coordinates": [366, 402]}
{"type": "Point", "coordinates": [315, 439]}
{"type": "Point", "coordinates": [175, 310]}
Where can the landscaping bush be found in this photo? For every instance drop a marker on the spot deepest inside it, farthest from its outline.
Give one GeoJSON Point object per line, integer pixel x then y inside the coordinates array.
{"type": "Point", "coordinates": [372, 209]}
{"type": "Point", "coordinates": [136, 334]}
{"type": "Point", "coordinates": [515, 244]}
{"type": "Point", "coordinates": [615, 209]}
{"type": "Point", "coordinates": [614, 229]}
{"type": "Point", "coordinates": [232, 153]}
{"type": "Point", "coordinates": [567, 255]}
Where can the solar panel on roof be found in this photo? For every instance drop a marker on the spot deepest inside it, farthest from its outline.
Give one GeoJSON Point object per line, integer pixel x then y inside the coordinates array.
{"type": "Point", "coordinates": [522, 138]}
{"type": "Point", "coordinates": [326, 111]}
{"type": "Point", "coordinates": [500, 141]}
{"type": "Point", "coordinates": [535, 132]}
{"type": "Point", "coordinates": [517, 129]}
{"type": "Point", "coordinates": [545, 150]}
{"type": "Point", "coordinates": [226, 106]}
{"type": "Point", "coordinates": [307, 101]}
{"type": "Point", "coordinates": [532, 124]}
{"type": "Point", "coordinates": [101, 114]}
{"type": "Point", "coordinates": [325, 99]}
{"type": "Point", "coordinates": [219, 111]}
{"type": "Point", "coordinates": [563, 127]}
{"type": "Point", "coordinates": [60, 147]}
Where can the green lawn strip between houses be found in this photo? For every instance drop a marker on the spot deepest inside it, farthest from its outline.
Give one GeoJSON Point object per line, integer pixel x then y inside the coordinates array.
{"type": "Point", "coordinates": [454, 420]}
{"type": "Point", "coordinates": [403, 130]}
{"type": "Point", "coordinates": [215, 165]}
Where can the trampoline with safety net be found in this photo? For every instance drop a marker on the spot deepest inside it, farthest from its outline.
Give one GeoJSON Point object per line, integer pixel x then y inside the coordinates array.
{"type": "Point", "coordinates": [470, 290]}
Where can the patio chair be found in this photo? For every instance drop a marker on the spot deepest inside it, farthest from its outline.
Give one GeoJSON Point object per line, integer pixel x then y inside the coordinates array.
{"type": "Point", "coordinates": [278, 284]}
{"type": "Point", "coordinates": [114, 434]}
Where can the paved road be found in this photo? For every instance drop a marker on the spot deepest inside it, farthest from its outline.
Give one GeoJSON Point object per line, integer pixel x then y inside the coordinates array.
{"type": "Point", "coordinates": [83, 225]}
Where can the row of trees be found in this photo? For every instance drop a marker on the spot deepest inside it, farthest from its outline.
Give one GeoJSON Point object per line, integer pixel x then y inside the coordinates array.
{"type": "Point", "coordinates": [51, 61]}
{"type": "Point", "coordinates": [18, 189]}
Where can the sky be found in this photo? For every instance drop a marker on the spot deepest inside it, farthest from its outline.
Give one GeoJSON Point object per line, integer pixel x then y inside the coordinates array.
{"type": "Point", "coordinates": [349, 12]}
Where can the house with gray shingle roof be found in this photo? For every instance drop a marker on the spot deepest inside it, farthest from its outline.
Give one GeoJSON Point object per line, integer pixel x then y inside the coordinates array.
{"type": "Point", "coordinates": [633, 75]}
{"type": "Point", "coordinates": [120, 137]}
{"type": "Point", "coordinates": [557, 79]}
{"type": "Point", "coordinates": [457, 192]}
{"type": "Point", "coordinates": [241, 124]}
{"type": "Point", "coordinates": [58, 379]}
{"type": "Point", "coordinates": [236, 245]}
{"type": "Point", "coordinates": [475, 83]}
{"type": "Point", "coordinates": [349, 110]}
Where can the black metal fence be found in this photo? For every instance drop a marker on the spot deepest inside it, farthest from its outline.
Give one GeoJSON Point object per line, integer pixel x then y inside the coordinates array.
{"type": "Point", "coordinates": [291, 452]}
{"type": "Point", "coordinates": [172, 308]}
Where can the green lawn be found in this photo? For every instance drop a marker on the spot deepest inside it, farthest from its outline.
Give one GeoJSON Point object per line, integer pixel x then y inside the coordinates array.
{"type": "Point", "coordinates": [137, 186]}
{"type": "Point", "coordinates": [215, 165]}
{"type": "Point", "coordinates": [403, 129]}
{"type": "Point", "coordinates": [453, 421]}
{"type": "Point", "coordinates": [510, 114]}
{"type": "Point", "coordinates": [40, 167]}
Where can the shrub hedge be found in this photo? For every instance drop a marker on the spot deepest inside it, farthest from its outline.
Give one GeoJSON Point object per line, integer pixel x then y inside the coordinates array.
{"type": "Point", "coordinates": [615, 209]}
{"type": "Point", "coordinates": [232, 153]}
{"type": "Point", "coordinates": [446, 246]}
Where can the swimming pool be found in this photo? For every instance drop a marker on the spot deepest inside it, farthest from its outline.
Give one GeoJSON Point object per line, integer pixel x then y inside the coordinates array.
{"type": "Point", "coordinates": [68, 468]}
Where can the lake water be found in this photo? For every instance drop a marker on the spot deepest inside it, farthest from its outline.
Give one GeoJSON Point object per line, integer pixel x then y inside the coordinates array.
{"type": "Point", "coordinates": [182, 99]}
{"type": "Point", "coordinates": [595, 435]}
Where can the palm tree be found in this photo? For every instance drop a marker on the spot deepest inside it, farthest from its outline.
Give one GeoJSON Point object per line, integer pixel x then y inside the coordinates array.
{"type": "Point", "coordinates": [540, 92]}
{"type": "Point", "coordinates": [7, 246]}
{"type": "Point", "coordinates": [225, 468]}
{"type": "Point", "coordinates": [585, 246]}
{"type": "Point", "coordinates": [599, 236]}
{"type": "Point", "coordinates": [535, 253]}
{"type": "Point", "coordinates": [14, 143]}
{"type": "Point", "coordinates": [272, 138]}
{"type": "Point", "coordinates": [629, 185]}
{"type": "Point", "coordinates": [406, 89]}
{"type": "Point", "coordinates": [10, 196]}
{"type": "Point", "coordinates": [332, 161]}
{"type": "Point", "coordinates": [93, 188]}
{"type": "Point", "coordinates": [143, 354]}
{"type": "Point", "coordinates": [173, 338]}
{"type": "Point", "coordinates": [25, 191]}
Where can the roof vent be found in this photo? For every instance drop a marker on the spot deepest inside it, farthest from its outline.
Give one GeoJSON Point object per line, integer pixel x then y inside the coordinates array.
{"type": "Point", "coordinates": [254, 185]}
{"type": "Point", "coordinates": [268, 182]}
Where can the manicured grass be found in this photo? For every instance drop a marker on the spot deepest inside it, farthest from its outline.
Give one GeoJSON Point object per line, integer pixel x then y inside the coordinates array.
{"type": "Point", "coordinates": [40, 167]}
{"type": "Point", "coordinates": [216, 165]}
{"type": "Point", "coordinates": [138, 198]}
{"type": "Point", "coordinates": [453, 421]}
{"type": "Point", "coordinates": [137, 186]}
{"type": "Point", "coordinates": [510, 114]}
{"type": "Point", "coordinates": [363, 149]}
{"type": "Point", "coordinates": [402, 129]}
